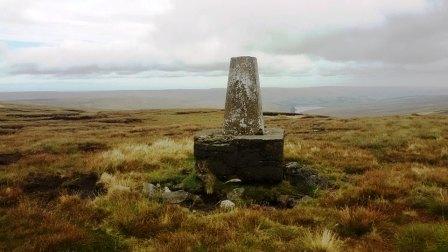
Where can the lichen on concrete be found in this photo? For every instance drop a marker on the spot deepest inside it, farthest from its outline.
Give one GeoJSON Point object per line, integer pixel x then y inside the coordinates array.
{"type": "Point", "coordinates": [242, 148]}
{"type": "Point", "coordinates": [243, 111]}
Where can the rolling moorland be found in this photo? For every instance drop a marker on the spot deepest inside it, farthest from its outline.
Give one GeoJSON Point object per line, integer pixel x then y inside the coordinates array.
{"type": "Point", "coordinates": [342, 101]}
{"type": "Point", "coordinates": [76, 180]}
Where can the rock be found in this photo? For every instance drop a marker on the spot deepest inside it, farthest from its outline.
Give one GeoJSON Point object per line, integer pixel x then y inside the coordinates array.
{"type": "Point", "coordinates": [303, 175]}
{"type": "Point", "coordinates": [236, 180]}
{"type": "Point", "coordinates": [149, 189]}
{"type": "Point", "coordinates": [286, 201]}
{"type": "Point", "coordinates": [227, 204]}
{"type": "Point", "coordinates": [175, 197]}
{"type": "Point", "coordinates": [292, 165]}
{"type": "Point", "coordinates": [196, 199]}
{"type": "Point", "coordinates": [235, 194]}
{"type": "Point", "coordinates": [306, 198]}
{"type": "Point", "coordinates": [179, 186]}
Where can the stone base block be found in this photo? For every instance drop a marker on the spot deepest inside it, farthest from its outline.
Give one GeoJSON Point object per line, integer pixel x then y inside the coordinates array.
{"type": "Point", "coordinates": [252, 158]}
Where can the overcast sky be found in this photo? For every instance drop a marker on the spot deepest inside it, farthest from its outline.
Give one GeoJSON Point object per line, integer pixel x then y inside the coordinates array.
{"type": "Point", "coordinates": [162, 44]}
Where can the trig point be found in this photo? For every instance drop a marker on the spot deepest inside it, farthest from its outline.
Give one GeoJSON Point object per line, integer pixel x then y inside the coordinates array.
{"type": "Point", "coordinates": [243, 113]}
{"type": "Point", "coordinates": [243, 148]}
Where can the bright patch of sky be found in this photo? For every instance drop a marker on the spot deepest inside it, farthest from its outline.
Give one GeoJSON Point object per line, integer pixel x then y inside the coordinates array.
{"type": "Point", "coordinates": [20, 44]}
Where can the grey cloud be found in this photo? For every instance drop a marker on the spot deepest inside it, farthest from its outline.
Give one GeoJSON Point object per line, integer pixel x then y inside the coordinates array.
{"type": "Point", "coordinates": [404, 39]}
{"type": "Point", "coordinates": [86, 70]}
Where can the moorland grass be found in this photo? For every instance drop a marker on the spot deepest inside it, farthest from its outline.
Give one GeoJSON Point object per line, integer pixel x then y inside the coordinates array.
{"type": "Point", "coordinates": [388, 178]}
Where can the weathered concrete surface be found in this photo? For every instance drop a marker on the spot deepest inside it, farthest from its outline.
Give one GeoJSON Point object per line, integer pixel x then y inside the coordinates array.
{"type": "Point", "coordinates": [252, 158]}
{"type": "Point", "coordinates": [243, 148]}
{"type": "Point", "coordinates": [243, 113]}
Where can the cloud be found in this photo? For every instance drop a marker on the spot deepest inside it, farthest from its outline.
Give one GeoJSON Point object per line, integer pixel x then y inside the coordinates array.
{"type": "Point", "coordinates": [405, 47]}
{"type": "Point", "coordinates": [3, 49]}
{"type": "Point", "coordinates": [97, 20]}
{"type": "Point", "coordinates": [403, 39]}
{"type": "Point", "coordinates": [319, 40]}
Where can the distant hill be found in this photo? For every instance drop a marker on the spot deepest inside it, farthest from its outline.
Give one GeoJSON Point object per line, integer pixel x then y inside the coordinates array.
{"type": "Point", "coordinates": [335, 101]}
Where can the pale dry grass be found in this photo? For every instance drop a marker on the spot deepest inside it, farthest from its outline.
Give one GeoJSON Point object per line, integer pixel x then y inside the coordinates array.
{"type": "Point", "coordinates": [131, 156]}
{"type": "Point", "coordinates": [324, 240]}
{"type": "Point", "coordinates": [431, 175]}
{"type": "Point", "coordinates": [131, 181]}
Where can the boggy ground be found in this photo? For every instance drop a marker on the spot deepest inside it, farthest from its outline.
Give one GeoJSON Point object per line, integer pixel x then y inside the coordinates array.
{"type": "Point", "coordinates": [73, 180]}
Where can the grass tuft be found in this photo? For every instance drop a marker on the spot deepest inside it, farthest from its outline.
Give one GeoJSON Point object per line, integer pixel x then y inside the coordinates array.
{"type": "Point", "coordinates": [356, 222]}
{"type": "Point", "coordinates": [322, 241]}
{"type": "Point", "coordinates": [423, 237]}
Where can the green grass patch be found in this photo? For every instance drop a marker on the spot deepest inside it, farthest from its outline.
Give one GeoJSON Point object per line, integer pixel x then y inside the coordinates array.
{"type": "Point", "coordinates": [423, 237]}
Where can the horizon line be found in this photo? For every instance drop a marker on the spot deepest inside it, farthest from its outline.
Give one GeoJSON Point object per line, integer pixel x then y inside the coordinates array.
{"type": "Point", "coordinates": [175, 89]}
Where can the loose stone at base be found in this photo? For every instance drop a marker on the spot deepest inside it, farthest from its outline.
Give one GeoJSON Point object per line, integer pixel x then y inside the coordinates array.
{"type": "Point", "coordinates": [227, 204]}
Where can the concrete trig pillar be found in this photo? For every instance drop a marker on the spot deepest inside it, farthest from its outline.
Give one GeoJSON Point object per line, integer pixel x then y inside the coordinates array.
{"type": "Point", "coordinates": [243, 113]}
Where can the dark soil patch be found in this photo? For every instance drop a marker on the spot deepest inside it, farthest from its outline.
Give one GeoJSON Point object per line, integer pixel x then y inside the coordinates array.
{"type": "Point", "coordinates": [75, 110]}
{"type": "Point", "coordinates": [12, 126]}
{"type": "Point", "coordinates": [121, 120]}
{"type": "Point", "coordinates": [10, 129]}
{"type": "Point", "coordinates": [41, 185]}
{"type": "Point", "coordinates": [355, 169]}
{"type": "Point", "coordinates": [314, 116]}
{"type": "Point", "coordinates": [72, 117]}
{"type": "Point", "coordinates": [49, 186]}
{"type": "Point", "coordinates": [3, 183]}
{"type": "Point", "coordinates": [193, 112]}
{"type": "Point", "coordinates": [9, 158]}
{"type": "Point", "coordinates": [7, 131]}
{"type": "Point", "coordinates": [39, 115]}
{"type": "Point", "coordinates": [84, 184]}
{"type": "Point", "coordinates": [141, 130]}
{"type": "Point", "coordinates": [208, 202]}
{"type": "Point", "coordinates": [281, 113]}
{"type": "Point", "coordinates": [91, 146]}
{"type": "Point", "coordinates": [17, 110]}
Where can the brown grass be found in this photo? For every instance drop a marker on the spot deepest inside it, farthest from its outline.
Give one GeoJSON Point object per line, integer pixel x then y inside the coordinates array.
{"type": "Point", "coordinates": [388, 181]}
